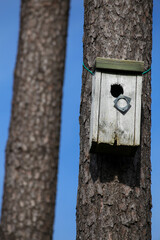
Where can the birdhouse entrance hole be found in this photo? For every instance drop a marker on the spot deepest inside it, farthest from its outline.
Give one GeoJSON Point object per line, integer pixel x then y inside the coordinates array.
{"type": "Point", "coordinates": [116, 90]}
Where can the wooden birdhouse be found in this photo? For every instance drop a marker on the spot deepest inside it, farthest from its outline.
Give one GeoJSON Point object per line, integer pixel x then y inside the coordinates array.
{"type": "Point", "coordinates": [116, 106]}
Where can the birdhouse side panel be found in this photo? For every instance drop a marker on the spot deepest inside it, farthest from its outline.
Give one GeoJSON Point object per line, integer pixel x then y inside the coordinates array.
{"type": "Point", "coordinates": [138, 110]}
{"type": "Point", "coordinates": [96, 87]}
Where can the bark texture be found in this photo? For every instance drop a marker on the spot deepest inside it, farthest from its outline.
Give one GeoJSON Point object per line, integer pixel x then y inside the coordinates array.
{"type": "Point", "coordinates": [2, 237]}
{"type": "Point", "coordinates": [114, 194]}
{"type": "Point", "coordinates": [33, 144]}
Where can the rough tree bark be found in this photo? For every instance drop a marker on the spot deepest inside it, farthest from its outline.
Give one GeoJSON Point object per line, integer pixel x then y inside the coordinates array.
{"type": "Point", "coordinates": [114, 195]}
{"type": "Point", "coordinates": [33, 144]}
{"type": "Point", "coordinates": [2, 237]}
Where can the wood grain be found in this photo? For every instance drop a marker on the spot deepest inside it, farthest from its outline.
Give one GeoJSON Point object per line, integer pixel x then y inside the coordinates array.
{"type": "Point", "coordinates": [138, 110]}
{"type": "Point", "coordinates": [108, 125]}
{"type": "Point", "coordinates": [96, 88]}
{"type": "Point", "coordinates": [122, 65]}
{"type": "Point", "coordinates": [107, 112]}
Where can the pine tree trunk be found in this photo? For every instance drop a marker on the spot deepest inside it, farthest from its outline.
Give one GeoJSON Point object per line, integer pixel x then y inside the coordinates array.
{"type": "Point", "coordinates": [114, 193]}
{"type": "Point", "coordinates": [2, 237]}
{"type": "Point", "coordinates": [33, 144]}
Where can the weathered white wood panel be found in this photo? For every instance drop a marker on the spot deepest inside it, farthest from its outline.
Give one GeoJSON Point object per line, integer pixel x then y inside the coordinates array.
{"type": "Point", "coordinates": [107, 115]}
{"type": "Point", "coordinates": [107, 124]}
{"type": "Point", "coordinates": [126, 122]}
{"type": "Point", "coordinates": [138, 110]}
{"type": "Point", "coordinates": [96, 86]}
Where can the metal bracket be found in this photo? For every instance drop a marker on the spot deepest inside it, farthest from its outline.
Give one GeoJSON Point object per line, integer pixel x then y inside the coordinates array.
{"type": "Point", "coordinates": [125, 109]}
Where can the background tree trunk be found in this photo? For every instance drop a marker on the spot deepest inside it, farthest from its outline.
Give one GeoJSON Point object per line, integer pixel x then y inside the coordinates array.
{"type": "Point", "coordinates": [2, 237]}
{"type": "Point", "coordinates": [33, 144]}
{"type": "Point", "coordinates": [114, 195]}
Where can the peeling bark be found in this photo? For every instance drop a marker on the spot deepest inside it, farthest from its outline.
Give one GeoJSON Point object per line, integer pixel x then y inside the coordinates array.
{"type": "Point", "coordinates": [114, 193]}
{"type": "Point", "coordinates": [33, 143]}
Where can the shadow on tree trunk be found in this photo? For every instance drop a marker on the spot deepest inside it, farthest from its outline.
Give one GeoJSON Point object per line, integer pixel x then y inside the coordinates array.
{"type": "Point", "coordinates": [107, 168]}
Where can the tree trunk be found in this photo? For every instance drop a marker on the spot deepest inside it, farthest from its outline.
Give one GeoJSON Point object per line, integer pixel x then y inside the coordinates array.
{"type": "Point", "coordinates": [114, 194]}
{"type": "Point", "coordinates": [33, 144]}
{"type": "Point", "coordinates": [2, 237]}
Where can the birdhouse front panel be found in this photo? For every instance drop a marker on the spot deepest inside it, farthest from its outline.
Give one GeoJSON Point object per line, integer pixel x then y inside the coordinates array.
{"type": "Point", "coordinates": [116, 109]}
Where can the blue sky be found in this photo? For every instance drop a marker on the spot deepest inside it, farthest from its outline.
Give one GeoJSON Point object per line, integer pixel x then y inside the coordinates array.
{"type": "Point", "coordinates": [65, 227]}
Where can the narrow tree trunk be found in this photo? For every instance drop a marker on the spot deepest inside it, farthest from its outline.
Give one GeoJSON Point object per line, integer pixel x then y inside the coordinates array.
{"type": "Point", "coordinates": [114, 195]}
{"type": "Point", "coordinates": [33, 144]}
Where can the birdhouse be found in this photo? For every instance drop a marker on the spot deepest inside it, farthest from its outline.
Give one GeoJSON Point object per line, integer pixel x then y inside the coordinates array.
{"type": "Point", "coordinates": [116, 106]}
